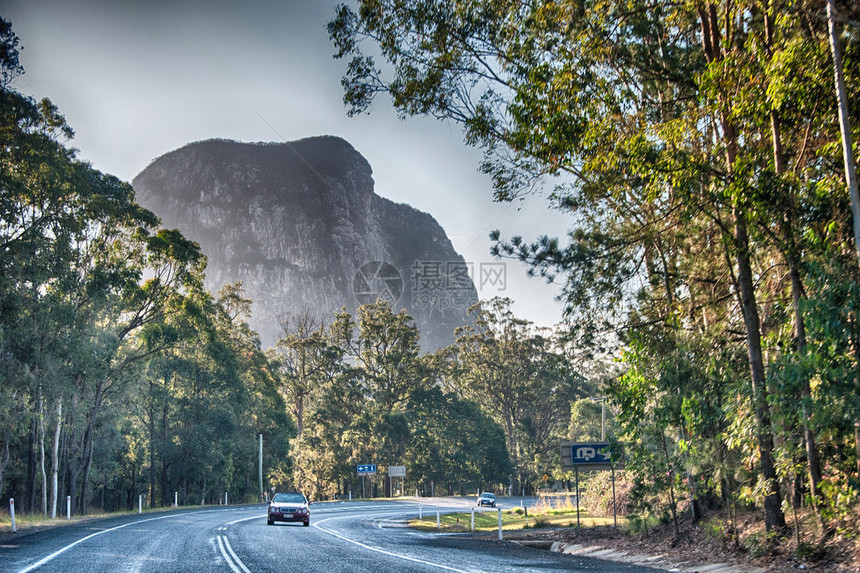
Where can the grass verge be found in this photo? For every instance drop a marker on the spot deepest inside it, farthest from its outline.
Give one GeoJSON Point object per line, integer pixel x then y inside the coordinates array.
{"type": "Point", "coordinates": [488, 521]}
{"type": "Point", "coordinates": [30, 521]}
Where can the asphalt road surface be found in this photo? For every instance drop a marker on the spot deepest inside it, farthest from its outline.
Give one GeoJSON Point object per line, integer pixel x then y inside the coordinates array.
{"type": "Point", "coordinates": [360, 537]}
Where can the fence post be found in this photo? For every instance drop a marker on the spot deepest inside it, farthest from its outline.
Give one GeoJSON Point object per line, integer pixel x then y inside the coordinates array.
{"type": "Point", "coordinates": [12, 513]}
{"type": "Point", "coordinates": [500, 523]}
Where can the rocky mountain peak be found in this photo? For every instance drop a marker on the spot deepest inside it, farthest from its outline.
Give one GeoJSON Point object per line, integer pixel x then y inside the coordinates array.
{"type": "Point", "coordinates": [300, 224]}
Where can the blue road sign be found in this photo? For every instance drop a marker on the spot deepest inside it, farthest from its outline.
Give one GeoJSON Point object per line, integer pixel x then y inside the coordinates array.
{"type": "Point", "coordinates": [596, 453]}
{"type": "Point", "coordinates": [366, 469]}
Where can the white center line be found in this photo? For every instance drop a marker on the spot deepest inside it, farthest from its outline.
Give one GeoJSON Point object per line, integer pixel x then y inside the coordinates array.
{"type": "Point", "coordinates": [384, 552]}
{"type": "Point", "coordinates": [230, 556]}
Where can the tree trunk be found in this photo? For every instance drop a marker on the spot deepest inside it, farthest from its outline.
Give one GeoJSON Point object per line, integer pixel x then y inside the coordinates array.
{"type": "Point", "coordinates": [844, 123]}
{"type": "Point", "coordinates": [812, 455]}
{"type": "Point", "coordinates": [856, 445]}
{"type": "Point", "coordinates": [714, 47]}
{"type": "Point", "coordinates": [151, 443]}
{"type": "Point", "coordinates": [672, 502]}
{"type": "Point", "coordinates": [4, 460]}
{"type": "Point", "coordinates": [847, 156]}
{"type": "Point", "coordinates": [165, 501]}
{"type": "Point", "coordinates": [85, 486]}
{"type": "Point", "coordinates": [31, 466]}
{"type": "Point", "coordinates": [774, 517]}
{"type": "Point", "coordinates": [791, 256]}
{"type": "Point", "coordinates": [55, 459]}
{"type": "Point", "coordinates": [44, 475]}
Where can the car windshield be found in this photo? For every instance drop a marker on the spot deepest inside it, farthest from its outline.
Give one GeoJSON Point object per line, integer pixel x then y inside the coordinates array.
{"type": "Point", "coordinates": [289, 498]}
{"type": "Point", "coordinates": [490, 495]}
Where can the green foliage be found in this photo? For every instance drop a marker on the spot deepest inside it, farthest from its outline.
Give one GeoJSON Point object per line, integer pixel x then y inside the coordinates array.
{"type": "Point", "coordinates": [109, 345]}
{"type": "Point", "coordinates": [367, 396]}
{"type": "Point", "coordinates": [523, 379]}
{"type": "Point", "coordinates": [695, 147]}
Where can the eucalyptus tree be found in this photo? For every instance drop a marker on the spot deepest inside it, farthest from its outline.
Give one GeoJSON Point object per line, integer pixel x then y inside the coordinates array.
{"type": "Point", "coordinates": [520, 378]}
{"type": "Point", "coordinates": [667, 130]}
{"type": "Point", "coordinates": [306, 363]}
{"type": "Point", "coordinates": [87, 276]}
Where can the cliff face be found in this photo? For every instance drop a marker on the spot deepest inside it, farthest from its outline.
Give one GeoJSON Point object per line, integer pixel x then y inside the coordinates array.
{"type": "Point", "coordinates": [299, 224]}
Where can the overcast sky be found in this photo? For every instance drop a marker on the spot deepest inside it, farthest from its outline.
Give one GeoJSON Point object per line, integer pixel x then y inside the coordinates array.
{"type": "Point", "coordinates": [136, 79]}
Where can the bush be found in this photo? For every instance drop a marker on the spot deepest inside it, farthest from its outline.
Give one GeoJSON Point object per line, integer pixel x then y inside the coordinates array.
{"type": "Point", "coordinates": [541, 521]}
{"type": "Point", "coordinates": [597, 494]}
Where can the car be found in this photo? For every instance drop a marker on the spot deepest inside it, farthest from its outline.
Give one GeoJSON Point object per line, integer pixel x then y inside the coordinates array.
{"type": "Point", "coordinates": [290, 506]}
{"type": "Point", "coordinates": [486, 498]}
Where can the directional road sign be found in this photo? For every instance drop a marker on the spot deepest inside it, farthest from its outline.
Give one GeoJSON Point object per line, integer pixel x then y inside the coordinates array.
{"type": "Point", "coordinates": [366, 470]}
{"type": "Point", "coordinates": [590, 456]}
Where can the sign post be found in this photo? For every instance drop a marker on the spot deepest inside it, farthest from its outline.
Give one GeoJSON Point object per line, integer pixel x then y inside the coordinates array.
{"type": "Point", "coordinates": [592, 456]}
{"type": "Point", "coordinates": [577, 496]}
{"type": "Point", "coordinates": [393, 472]}
{"type": "Point", "coordinates": [366, 470]}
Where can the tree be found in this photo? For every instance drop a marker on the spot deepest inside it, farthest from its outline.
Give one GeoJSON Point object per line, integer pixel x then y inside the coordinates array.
{"type": "Point", "coordinates": [306, 363]}
{"type": "Point", "coordinates": [519, 379]}
{"type": "Point", "coordinates": [659, 125]}
{"type": "Point", "coordinates": [109, 345]}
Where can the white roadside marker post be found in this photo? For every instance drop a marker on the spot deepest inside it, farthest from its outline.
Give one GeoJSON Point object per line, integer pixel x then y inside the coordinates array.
{"type": "Point", "coordinates": [175, 499]}
{"type": "Point", "coordinates": [140, 503]}
{"type": "Point", "coordinates": [500, 523]}
{"type": "Point", "coordinates": [473, 519]}
{"type": "Point", "coordinates": [438, 523]}
{"type": "Point", "coordinates": [68, 507]}
{"type": "Point", "coordinates": [12, 513]}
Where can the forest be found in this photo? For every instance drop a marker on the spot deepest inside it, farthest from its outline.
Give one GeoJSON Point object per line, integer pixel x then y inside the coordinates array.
{"type": "Point", "coordinates": [123, 377]}
{"type": "Point", "coordinates": [704, 152]}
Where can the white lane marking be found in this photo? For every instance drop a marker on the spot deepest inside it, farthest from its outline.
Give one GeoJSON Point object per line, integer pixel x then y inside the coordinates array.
{"type": "Point", "coordinates": [227, 552]}
{"type": "Point", "coordinates": [226, 557]}
{"type": "Point", "coordinates": [384, 552]}
{"type": "Point", "coordinates": [235, 557]}
{"type": "Point", "coordinates": [235, 521]}
{"type": "Point", "coordinates": [50, 557]}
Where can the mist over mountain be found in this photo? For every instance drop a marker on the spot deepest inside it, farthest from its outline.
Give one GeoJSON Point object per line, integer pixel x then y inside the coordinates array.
{"type": "Point", "coordinates": [300, 225]}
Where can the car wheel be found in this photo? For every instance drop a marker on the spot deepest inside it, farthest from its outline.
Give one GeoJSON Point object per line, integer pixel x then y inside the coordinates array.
{"type": "Point", "coordinates": [306, 523]}
{"type": "Point", "coordinates": [270, 522]}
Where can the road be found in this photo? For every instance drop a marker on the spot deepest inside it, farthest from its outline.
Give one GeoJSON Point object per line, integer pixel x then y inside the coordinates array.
{"type": "Point", "coordinates": [361, 537]}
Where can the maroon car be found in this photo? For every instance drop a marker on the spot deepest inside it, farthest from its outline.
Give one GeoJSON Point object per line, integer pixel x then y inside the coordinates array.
{"type": "Point", "coordinates": [289, 506]}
